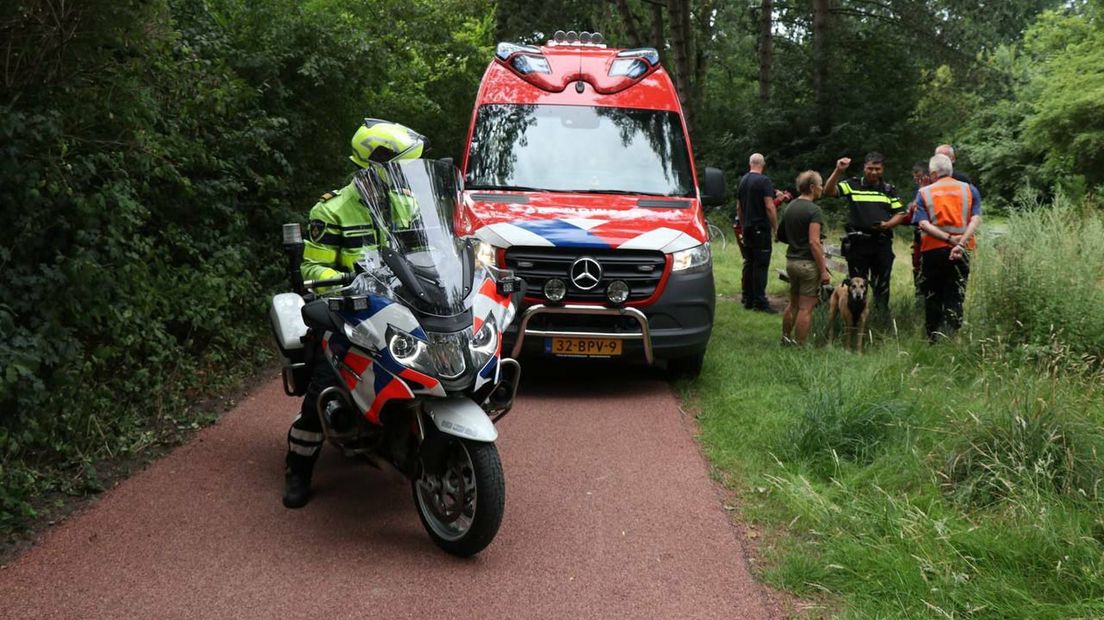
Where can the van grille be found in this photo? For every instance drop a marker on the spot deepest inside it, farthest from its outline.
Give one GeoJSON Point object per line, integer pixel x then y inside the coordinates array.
{"type": "Point", "coordinates": [642, 270]}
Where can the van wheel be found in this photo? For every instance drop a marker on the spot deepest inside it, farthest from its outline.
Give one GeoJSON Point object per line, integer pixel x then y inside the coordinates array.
{"type": "Point", "coordinates": [688, 367]}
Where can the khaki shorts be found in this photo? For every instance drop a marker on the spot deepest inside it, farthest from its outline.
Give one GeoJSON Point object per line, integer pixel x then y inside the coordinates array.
{"type": "Point", "coordinates": [804, 277]}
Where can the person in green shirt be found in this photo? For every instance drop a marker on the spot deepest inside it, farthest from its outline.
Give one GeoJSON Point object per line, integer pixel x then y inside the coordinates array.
{"type": "Point", "coordinates": [340, 230]}
{"type": "Point", "coordinates": [802, 229]}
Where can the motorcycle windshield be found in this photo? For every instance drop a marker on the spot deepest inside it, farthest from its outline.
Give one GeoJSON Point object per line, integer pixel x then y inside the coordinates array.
{"type": "Point", "coordinates": [413, 204]}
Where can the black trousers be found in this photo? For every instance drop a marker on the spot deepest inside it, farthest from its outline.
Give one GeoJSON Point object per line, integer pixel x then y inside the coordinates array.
{"type": "Point", "coordinates": [872, 259]}
{"type": "Point", "coordinates": [944, 284]}
{"type": "Point", "coordinates": [305, 435]}
{"type": "Point", "coordinates": [745, 276]}
{"type": "Point", "coordinates": [757, 256]}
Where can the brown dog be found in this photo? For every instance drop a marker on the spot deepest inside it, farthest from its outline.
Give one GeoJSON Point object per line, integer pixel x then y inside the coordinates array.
{"type": "Point", "coordinates": [849, 300]}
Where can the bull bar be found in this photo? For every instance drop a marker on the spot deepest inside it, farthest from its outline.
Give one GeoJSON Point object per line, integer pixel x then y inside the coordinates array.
{"type": "Point", "coordinates": [645, 334]}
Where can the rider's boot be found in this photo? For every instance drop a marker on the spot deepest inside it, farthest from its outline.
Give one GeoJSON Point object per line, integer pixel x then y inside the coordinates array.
{"type": "Point", "coordinates": [297, 488]}
{"type": "Point", "coordinates": [304, 444]}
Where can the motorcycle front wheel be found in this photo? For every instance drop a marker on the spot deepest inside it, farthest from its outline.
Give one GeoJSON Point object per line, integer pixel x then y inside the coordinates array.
{"type": "Point", "coordinates": [461, 504]}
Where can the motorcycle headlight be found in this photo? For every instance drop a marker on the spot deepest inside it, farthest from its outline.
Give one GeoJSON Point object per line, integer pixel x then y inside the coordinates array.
{"type": "Point", "coordinates": [486, 255]}
{"type": "Point", "coordinates": [409, 351]}
{"type": "Point", "coordinates": [695, 258]}
{"type": "Point", "coordinates": [449, 353]}
{"type": "Point", "coordinates": [485, 342]}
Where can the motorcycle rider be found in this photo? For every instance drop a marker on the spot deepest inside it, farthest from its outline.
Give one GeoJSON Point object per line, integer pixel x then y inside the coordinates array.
{"type": "Point", "coordinates": [340, 230]}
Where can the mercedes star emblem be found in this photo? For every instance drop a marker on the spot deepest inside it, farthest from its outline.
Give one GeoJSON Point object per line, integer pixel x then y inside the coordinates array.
{"type": "Point", "coordinates": [585, 273]}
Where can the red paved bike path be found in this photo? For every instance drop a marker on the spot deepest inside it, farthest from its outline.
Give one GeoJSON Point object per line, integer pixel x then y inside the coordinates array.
{"type": "Point", "coordinates": [609, 513]}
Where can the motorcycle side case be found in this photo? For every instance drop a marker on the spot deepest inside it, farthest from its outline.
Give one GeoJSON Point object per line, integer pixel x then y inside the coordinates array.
{"type": "Point", "coordinates": [286, 314]}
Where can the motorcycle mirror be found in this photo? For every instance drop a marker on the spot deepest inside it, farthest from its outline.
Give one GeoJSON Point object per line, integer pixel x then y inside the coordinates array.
{"type": "Point", "coordinates": [401, 268]}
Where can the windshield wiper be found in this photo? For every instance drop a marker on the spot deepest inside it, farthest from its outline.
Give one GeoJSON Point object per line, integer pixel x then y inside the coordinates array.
{"type": "Point", "coordinates": [507, 188]}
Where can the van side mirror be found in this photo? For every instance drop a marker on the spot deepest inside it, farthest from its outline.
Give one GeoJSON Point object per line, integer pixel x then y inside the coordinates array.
{"type": "Point", "coordinates": [713, 188]}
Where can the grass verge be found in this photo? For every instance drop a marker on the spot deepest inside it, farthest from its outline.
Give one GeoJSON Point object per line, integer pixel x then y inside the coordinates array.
{"type": "Point", "coordinates": [958, 480]}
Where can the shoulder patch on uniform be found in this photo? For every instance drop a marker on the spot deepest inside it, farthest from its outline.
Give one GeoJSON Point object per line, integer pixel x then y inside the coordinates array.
{"type": "Point", "coordinates": [330, 194]}
{"type": "Point", "coordinates": [316, 228]}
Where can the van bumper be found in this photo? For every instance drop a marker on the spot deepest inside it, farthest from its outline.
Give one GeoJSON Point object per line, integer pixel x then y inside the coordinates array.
{"type": "Point", "coordinates": [677, 325]}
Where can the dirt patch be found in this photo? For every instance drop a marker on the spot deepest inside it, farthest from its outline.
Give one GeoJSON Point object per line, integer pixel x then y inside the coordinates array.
{"type": "Point", "coordinates": [777, 302]}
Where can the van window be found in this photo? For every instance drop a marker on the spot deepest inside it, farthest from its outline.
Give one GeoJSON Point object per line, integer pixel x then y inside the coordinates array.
{"type": "Point", "coordinates": [579, 149]}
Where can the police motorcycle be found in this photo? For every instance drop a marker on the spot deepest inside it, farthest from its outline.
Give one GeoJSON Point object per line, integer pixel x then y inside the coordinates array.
{"type": "Point", "coordinates": [415, 338]}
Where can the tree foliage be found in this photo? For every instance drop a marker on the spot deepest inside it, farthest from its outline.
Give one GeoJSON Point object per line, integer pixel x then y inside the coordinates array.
{"type": "Point", "coordinates": [149, 150]}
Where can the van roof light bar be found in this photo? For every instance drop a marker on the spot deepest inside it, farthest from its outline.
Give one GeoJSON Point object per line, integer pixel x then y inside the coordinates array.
{"type": "Point", "coordinates": [584, 39]}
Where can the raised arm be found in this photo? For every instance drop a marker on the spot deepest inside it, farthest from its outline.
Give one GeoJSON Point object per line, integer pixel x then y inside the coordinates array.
{"type": "Point", "coordinates": [833, 179]}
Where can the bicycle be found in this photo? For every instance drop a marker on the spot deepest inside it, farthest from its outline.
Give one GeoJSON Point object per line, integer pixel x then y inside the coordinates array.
{"type": "Point", "coordinates": [716, 235]}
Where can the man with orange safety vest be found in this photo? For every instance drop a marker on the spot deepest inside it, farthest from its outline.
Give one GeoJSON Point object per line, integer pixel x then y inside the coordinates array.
{"type": "Point", "coordinates": [948, 213]}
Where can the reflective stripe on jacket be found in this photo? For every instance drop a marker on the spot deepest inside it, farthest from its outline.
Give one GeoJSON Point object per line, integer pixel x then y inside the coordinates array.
{"type": "Point", "coordinates": [948, 204]}
{"type": "Point", "coordinates": [339, 231]}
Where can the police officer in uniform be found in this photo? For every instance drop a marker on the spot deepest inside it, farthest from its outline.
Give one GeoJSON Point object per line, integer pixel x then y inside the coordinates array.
{"type": "Point", "coordinates": [340, 230]}
{"type": "Point", "coordinates": [874, 209]}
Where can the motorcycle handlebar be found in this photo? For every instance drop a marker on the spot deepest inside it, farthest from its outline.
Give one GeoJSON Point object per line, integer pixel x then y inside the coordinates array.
{"type": "Point", "coordinates": [343, 279]}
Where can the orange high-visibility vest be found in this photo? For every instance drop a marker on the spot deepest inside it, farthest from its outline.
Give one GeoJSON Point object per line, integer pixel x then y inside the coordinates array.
{"type": "Point", "coordinates": [948, 203]}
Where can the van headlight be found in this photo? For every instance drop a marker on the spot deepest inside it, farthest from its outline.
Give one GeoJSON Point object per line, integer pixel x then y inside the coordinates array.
{"type": "Point", "coordinates": [696, 258]}
{"type": "Point", "coordinates": [486, 255]}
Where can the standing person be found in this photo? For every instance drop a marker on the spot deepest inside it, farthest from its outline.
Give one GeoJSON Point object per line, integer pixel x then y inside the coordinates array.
{"type": "Point", "coordinates": [802, 230]}
{"type": "Point", "coordinates": [948, 150]}
{"type": "Point", "coordinates": [755, 210]}
{"type": "Point", "coordinates": [921, 177]}
{"type": "Point", "coordinates": [874, 209]}
{"type": "Point", "coordinates": [341, 230]}
{"type": "Point", "coordinates": [948, 213]}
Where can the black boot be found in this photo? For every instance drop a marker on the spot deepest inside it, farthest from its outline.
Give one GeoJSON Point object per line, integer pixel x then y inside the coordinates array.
{"type": "Point", "coordinates": [296, 489]}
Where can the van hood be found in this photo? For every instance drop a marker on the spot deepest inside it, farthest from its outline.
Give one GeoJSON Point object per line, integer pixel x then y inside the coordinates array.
{"type": "Point", "coordinates": [607, 221]}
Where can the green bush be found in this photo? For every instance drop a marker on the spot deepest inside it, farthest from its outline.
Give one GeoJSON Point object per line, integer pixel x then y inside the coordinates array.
{"type": "Point", "coordinates": [146, 163]}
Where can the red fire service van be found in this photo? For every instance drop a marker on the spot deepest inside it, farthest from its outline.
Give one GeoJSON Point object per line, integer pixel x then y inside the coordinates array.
{"type": "Point", "coordinates": [579, 177]}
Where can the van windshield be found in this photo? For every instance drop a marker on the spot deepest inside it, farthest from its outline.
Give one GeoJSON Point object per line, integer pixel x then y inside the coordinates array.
{"type": "Point", "coordinates": [562, 148]}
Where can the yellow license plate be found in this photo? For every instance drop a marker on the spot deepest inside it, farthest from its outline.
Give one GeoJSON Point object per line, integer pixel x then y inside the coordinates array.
{"type": "Point", "coordinates": [590, 347]}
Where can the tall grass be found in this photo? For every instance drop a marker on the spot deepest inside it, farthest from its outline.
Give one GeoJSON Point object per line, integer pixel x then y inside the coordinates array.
{"type": "Point", "coordinates": [1040, 284]}
{"type": "Point", "coordinates": [964, 479]}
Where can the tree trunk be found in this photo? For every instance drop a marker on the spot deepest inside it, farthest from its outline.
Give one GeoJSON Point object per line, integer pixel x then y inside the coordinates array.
{"type": "Point", "coordinates": [659, 39]}
{"type": "Point", "coordinates": [766, 49]}
{"type": "Point", "coordinates": [822, 31]}
{"type": "Point", "coordinates": [679, 12]}
{"type": "Point", "coordinates": [632, 25]}
{"type": "Point", "coordinates": [700, 43]}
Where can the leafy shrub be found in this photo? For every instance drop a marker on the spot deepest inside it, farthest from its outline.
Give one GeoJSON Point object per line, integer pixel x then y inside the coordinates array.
{"type": "Point", "coordinates": [146, 162]}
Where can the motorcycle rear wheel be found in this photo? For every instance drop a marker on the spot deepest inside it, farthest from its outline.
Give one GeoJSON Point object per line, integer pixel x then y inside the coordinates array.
{"type": "Point", "coordinates": [461, 505]}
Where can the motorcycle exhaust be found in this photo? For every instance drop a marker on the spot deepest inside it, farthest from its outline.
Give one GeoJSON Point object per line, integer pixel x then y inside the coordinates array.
{"type": "Point", "coordinates": [336, 414]}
